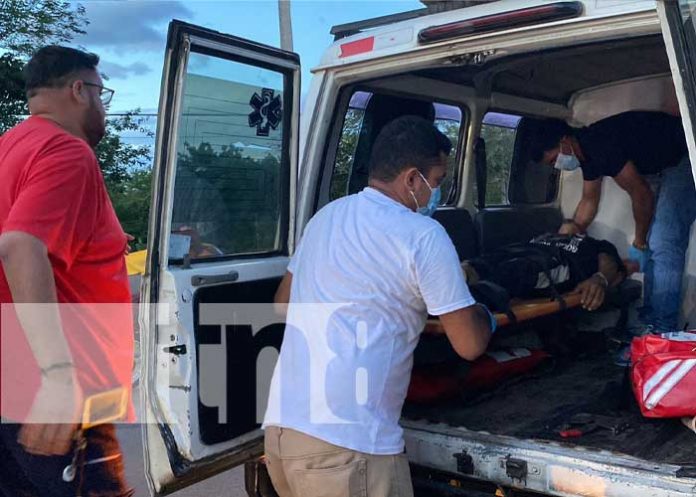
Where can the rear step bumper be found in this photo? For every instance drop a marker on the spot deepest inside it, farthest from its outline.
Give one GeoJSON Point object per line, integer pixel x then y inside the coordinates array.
{"type": "Point", "coordinates": [540, 466]}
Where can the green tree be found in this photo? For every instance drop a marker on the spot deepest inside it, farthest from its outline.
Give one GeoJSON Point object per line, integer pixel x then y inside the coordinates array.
{"type": "Point", "coordinates": [131, 201]}
{"type": "Point", "coordinates": [26, 25]}
{"type": "Point", "coordinates": [12, 100]}
{"type": "Point", "coordinates": [119, 160]}
{"type": "Point", "coordinates": [127, 174]}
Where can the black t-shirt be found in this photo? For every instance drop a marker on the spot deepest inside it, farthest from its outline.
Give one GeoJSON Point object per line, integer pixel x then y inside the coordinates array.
{"type": "Point", "coordinates": [547, 262]}
{"type": "Point", "coordinates": [579, 252]}
{"type": "Point", "coordinates": [652, 140]}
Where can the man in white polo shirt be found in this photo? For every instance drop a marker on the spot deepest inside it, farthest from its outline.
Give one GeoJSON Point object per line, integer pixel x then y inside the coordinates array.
{"type": "Point", "coordinates": [380, 266]}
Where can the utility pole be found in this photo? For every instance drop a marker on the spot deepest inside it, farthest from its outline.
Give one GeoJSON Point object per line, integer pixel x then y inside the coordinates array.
{"type": "Point", "coordinates": [285, 25]}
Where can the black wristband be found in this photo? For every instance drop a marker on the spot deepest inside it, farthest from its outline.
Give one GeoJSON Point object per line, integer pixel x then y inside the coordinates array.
{"type": "Point", "coordinates": [56, 366]}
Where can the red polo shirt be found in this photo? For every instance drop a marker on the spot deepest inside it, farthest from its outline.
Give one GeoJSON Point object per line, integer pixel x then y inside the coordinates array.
{"type": "Point", "coordinates": [51, 187]}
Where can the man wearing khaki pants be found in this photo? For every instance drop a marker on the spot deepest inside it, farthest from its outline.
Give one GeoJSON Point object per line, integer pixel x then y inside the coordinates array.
{"type": "Point", "coordinates": [373, 267]}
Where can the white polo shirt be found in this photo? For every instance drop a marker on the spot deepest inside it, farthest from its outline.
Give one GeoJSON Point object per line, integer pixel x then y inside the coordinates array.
{"type": "Point", "coordinates": [378, 268]}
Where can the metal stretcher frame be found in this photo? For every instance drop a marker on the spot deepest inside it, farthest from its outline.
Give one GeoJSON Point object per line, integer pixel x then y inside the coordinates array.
{"type": "Point", "coordinates": [524, 310]}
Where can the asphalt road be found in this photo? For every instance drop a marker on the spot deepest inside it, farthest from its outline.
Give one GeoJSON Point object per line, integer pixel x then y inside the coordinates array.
{"type": "Point", "coordinates": [227, 484]}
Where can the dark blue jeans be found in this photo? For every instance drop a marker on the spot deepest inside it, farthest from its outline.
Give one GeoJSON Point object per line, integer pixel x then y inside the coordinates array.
{"type": "Point", "coordinates": [669, 239]}
{"type": "Point", "coordinates": [26, 475]}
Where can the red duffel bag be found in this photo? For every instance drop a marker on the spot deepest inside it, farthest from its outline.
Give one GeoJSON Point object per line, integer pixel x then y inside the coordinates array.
{"type": "Point", "coordinates": [663, 374]}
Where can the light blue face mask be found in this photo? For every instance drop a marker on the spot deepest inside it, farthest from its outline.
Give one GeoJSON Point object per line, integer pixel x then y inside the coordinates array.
{"type": "Point", "coordinates": [566, 162]}
{"type": "Point", "coordinates": [433, 201]}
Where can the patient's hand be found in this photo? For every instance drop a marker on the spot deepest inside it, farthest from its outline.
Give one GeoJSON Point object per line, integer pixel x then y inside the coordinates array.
{"type": "Point", "coordinates": [592, 292]}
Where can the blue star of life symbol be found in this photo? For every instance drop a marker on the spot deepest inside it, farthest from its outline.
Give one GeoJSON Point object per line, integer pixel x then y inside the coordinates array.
{"type": "Point", "coordinates": [268, 111]}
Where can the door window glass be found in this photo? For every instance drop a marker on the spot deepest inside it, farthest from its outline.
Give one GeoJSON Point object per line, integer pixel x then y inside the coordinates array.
{"type": "Point", "coordinates": [228, 196]}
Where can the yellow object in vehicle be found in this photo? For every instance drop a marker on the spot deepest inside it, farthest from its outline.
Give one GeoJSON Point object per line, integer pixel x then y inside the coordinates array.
{"type": "Point", "coordinates": [135, 262]}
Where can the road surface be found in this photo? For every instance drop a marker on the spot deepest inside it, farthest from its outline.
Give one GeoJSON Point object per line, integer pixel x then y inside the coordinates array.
{"type": "Point", "coordinates": [227, 484]}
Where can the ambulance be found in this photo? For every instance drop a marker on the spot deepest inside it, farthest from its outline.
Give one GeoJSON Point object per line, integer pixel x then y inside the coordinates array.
{"type": "Point", "coordinates": [238, 174]}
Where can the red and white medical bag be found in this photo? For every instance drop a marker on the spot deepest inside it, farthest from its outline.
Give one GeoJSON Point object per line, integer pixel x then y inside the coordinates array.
{"type": "Point", "coordinates": [663, 374]}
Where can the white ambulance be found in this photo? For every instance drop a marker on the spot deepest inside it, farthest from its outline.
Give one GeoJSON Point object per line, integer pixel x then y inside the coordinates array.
{"type": "Point", "coordinates": [238, 175]}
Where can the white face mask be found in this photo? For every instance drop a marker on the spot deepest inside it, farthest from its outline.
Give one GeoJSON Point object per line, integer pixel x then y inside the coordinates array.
{"type": "Point", "coordinates": [567, 162]}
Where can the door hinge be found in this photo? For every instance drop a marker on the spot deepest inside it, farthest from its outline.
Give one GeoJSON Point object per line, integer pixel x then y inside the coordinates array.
{"type": "Point", "coordinates": [176, 349]}
{"type": "Point", "coordinates": [465, 463]}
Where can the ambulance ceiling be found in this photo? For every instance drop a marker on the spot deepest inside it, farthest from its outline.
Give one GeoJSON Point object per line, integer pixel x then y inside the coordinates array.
{"type": "Point", "coordinates": [556, 75]}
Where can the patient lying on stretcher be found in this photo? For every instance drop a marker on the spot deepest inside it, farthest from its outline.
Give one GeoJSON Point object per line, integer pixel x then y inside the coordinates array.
{"type": "Point", "coordinates": [549, 265]}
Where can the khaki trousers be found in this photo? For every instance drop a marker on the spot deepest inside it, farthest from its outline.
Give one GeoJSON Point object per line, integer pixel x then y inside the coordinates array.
{"type": "Point", "coordinates": [303, 466]}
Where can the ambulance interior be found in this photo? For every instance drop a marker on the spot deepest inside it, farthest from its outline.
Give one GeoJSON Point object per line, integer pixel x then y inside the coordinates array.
{"type": "Point", "coordinates": [503, 197]}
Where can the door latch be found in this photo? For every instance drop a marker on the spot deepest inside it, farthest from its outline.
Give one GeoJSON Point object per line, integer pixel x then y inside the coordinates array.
{"type": "Point", "coordinates": [176, 349]}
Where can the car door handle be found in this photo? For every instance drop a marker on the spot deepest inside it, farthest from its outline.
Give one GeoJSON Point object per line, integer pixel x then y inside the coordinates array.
{"type": "Point", "coordinates": [212, 279]}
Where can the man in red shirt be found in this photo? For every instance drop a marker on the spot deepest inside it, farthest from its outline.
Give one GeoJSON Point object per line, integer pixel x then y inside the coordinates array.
{"type": "Point", "coordinates": [60, 243]}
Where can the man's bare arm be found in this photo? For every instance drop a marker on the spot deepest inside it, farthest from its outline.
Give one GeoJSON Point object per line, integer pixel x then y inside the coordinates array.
{"type": "Point", "coordinates": [468, 330]}
{"type": "Point", "coordinates": [610, 269]}
{"type": "Point", "coordinates": [30, 277]}
{"type": "Point", "coordinates": [282, 295]}
{"type": "Point", "coordinates": [642, 201]}
{"type": "Point", "coordinates": [589, 204]}
{"type": "Point", "coordinates": [50, 425]}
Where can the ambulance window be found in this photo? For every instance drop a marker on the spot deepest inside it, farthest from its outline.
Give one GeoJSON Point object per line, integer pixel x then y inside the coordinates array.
{"type": "Point", "coordinates": [366, 115]}
{"type": "Point", "coordinates": [498, 132]}
{"type": "Point", "coordinates": [345, 155]}
{"type": "Point", "coordinates": [448, 119]}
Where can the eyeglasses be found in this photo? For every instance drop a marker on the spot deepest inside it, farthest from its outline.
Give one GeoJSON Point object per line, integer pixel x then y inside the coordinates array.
{"type": "Point", "coordinates": [105, 94]}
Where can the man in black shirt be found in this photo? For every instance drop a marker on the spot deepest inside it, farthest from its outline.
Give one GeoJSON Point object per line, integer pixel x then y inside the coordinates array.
{"type": "Point", "coordinates": [628, 147]}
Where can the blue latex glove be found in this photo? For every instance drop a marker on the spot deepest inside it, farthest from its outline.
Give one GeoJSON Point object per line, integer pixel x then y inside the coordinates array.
{"type": "Point", "coordinates": [640, 256]}
{"type": "Point", "coordinates": [491, 317]}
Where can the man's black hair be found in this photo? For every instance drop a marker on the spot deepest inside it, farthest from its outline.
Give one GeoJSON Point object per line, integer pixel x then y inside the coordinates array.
{"type": "Point", "coordinates": [407, 141]}
{"type": "Point", "coordinates": [52, 67]}
{"type": "Point", "coordinates": [549, 136]}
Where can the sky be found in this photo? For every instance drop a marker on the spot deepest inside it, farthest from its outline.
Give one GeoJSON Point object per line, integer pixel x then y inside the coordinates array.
{"type": "Point", "coordinates": [130, 35]}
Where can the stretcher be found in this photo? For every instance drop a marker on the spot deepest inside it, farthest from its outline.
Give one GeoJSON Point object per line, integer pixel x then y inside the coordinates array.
{"type": "Point", "coordinates": [524, 310]}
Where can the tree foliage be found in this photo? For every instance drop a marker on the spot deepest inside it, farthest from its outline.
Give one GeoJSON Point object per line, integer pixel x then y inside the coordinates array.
{"type": "Point", "coordinates": [126, 170]}
{"type": "Point", "coordinates": [12, 101]}
{"type": "Point", "coordinates": [119, 160]}
{"type": "Point", "coordinates": [26, 25]}
{"type": "Point", "coordinates": [131, 201]}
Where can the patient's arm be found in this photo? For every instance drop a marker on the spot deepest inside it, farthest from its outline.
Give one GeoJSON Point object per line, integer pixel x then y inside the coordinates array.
{"type": "Point", "coordinates": [610, 269]}
{"type": "Point", "coordinates": [593, 289]}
